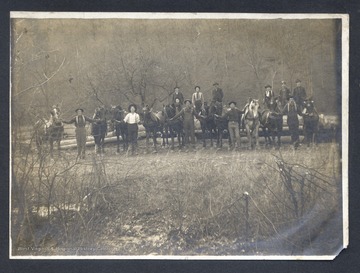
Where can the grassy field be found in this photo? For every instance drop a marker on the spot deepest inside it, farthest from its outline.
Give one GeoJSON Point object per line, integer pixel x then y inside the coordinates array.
{"type": "Point", "coordinates": [204, 202]}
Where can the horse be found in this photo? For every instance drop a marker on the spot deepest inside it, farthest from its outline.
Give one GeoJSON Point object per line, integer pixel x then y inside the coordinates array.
{"type": "Point", "coordinates": [271, 121]}
{"type": "Point", "coordinates": [173, 126]}
{"type": "Point", "coordinates": [207, 123]}
{"type": "Point", "coordinates": [120, 127]}
{"type": "Point", "coordinates": [251, 120]}
{"type": "Point", "coordinates": [153, 123]}
{"type": "Point", "coordinates": [311, 121]}
{"type": "Point", "coordinates": [221, 123]}
{"type": "Point", "coordinates": [99, 128]}
{"type": "Point", "coordinates": [49, 131]}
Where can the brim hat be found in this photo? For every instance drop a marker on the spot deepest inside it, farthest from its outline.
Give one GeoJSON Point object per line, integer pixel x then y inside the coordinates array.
{"type": "Point", "coordinates": [215, 83]}
{"type": "Point", "coordinates": [297, 81]}
{"type": "Point", "coordinates": [283, 82]}
{"type": "Point", "coordinates": [188, 101]}
{"type": "Point", "coordinates": [268, 85]}
{"type": "Point", "coordinates": [130, 107]}
{"type": "Point", "coordinates": [234, 102]}
{"type": "Point", "coordinates": [196, 87]}
{"type": "Point", "coordinates": [81, 109]}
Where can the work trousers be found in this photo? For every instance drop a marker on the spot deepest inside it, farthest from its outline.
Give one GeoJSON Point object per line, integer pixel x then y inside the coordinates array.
{"type": "Point", "coordinates": [80, 133]}
{"type": "Point", "coordinates": [189, 131]}
{"type": "Point", "coordinates": [133, 136]}
{"type": "Point", "coordinates": [234, 133]}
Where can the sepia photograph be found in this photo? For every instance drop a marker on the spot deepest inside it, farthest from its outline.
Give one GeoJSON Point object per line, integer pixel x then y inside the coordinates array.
{"type": "Point", "coordinates": [178, 135]}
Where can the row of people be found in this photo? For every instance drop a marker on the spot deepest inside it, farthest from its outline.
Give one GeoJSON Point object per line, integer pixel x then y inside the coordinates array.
{"type": "Point", "coordinates": [188, 113]}
{"type": "Point", "coordinates": [217, 95]}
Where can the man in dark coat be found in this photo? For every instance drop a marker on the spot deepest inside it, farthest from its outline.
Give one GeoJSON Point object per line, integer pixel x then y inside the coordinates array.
{"type": "Point", "coordinates": [80, 131]}
{"type": "Point", "coordinates": [188, 113]}
{"type": "Point", "coordinates": [177, 95]}
{"type": "Point", "coordinates": [299, 94]}
{"type": "Point", "coordinates": [284, 93]}
{"type": "Point", "coordinates": [292, 111]}
{"type": "Point", "coordinates": [234, 117]}
{"type": "Point", "coordinates": [269, 94]}
{"type": "Point", "coordinates": [217, 93]}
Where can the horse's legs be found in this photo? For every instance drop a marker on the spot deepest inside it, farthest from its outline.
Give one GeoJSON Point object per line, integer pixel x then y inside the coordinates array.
{"type": "Point", "coordinates": [249, 136]}
{"type": "Point", "coordinates": [154, 139]}
{"type": "Point", "coordinates": [51, 143]}
{"type": "Point", "coordinates": [256, 134]}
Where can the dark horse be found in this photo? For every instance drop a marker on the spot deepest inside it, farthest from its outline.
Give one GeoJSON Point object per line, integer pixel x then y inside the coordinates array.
{"type": "Point", "coordinates": [208, 126]}
{"type": "Point", "coordinates": [271, 120]}
{"type": "Point", "coordinates": [49, 131]}
{"type": "Point", "coordinates": [173, 127]}
{"type": "Point", "coordinates": [221, 123]}
{"type": "Point", "coordinates": [311, 121]}
{"type": "Point", "coordinates": [99, 128]}
{"type": "Point", "coordinates": [120, 127]}
{"type": "Point", "coordinates": [153, 123]}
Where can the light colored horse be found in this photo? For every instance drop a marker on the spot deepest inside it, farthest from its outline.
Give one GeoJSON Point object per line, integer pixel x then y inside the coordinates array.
{"type": "Point", "coordinates": [252, 122]}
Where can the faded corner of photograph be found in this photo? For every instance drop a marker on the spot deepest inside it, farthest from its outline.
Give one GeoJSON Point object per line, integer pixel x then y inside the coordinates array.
{"type": "Point", "coordinates": [180, 137]}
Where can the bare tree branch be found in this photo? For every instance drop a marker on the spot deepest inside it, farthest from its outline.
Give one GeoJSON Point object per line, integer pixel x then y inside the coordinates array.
{"type": "Point", "coordinates": [42, 83]}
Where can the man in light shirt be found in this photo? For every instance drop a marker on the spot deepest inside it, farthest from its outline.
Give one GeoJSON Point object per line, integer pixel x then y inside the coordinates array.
{"type": "Point", "coordinates": [132, 119]}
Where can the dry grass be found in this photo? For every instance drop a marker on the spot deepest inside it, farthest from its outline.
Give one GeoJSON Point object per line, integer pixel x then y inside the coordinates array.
{"type": "Point", "coordinates": [174, 203]}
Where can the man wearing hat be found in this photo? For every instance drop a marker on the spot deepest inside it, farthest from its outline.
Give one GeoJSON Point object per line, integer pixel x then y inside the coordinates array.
{"type": "Point", "coordinates": [197, 99]}
{"type": "Point", "coordinates": [293, 111]}
{"type": "Point", "coordinates": [177, 95]}
{"type": "Point", "coordinates": [269, 94]}
{"type": "Point", "coordinates": [188, 113]}
{"type": "Point", "coordinates": [299, 94]}
{"type": "Point", "coordinates": [217, 93]}
{"type": "Point", "coordinates": [234, 117]}
{"type": "Point", "coordinates": [132, 120]}
{"type": "Point", "coordinates": [284, 93]}
{"type": "Point", "coordinates": [80, 131]}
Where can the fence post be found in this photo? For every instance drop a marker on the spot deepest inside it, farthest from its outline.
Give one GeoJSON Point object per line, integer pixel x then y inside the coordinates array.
{"type": "Point", "coordinates": [246, 208]}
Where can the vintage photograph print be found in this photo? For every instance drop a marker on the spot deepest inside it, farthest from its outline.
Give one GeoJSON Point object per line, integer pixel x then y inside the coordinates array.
{"type": "Point", "coordinates": [178, 136]}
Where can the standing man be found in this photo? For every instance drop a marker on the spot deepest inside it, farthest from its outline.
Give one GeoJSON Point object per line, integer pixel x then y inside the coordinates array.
{"type": "Point", "coordinates": [80, 131]}
{"type": "Point", "coordinates": [132, 120]}
{"type": "Point", "coordinates": [188, 113]}
{"type": "Point", "coordinates": [284, 93]}
{"type": "Point", "coordinates": [217, 93]}
{"type": "Point", "coordinates": [197, 99]}
{"type": "Point", "coordinates": [292, 111]}
{"type": "Point", "coordinates": [234, 118]}
{"type": "Point", "coordinates": [269, 94]}
{"type": "Point", "coordinates": [299, 94]}
{"type": "Point", "coordinates": [177, 95]}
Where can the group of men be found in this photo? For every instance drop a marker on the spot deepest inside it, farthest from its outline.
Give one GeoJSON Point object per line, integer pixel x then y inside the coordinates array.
{"type": "Point", "coordinates": [233, 115]}
{"type": "Point", "coordinates": [189, 109]}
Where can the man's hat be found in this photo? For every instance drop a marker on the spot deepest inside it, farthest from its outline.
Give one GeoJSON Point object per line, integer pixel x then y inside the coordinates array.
{"type": "Point", "coordinates": [82, 110]}
{"type": "Point", "coordinates": [234, 102]}
{"type": "Point", "coordinates": [268, 85]}
{"type": "Point", "coordinates": [132, 105]}
{"type": "Point", "coordinates": [188, 101]}
{"type": "Point", "coordinates": [215, 83]}
{"type": "Point", "coordinates": [283, 82]}
{"type": "Point", "coordinates": [197, 86]}
{"type": "Point", "coordinates": [297, 81]}
{"type": "Point", "coordinates": [176, 87]}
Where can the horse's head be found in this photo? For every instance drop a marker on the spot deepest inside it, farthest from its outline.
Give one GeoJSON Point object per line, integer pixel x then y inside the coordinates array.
{"type": "Point", "coordinates": [169, 110]}
{"type": "Point", "coordinates": [254, 105]}
{"type": "Point", "coordinates": [146, 109]}
{"type": "Point", "coordinates": [292, 105]}
{"type": "Point", "coordinates": [55, 116]}
{"type": "Point", "coordinates": [309, 106]}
